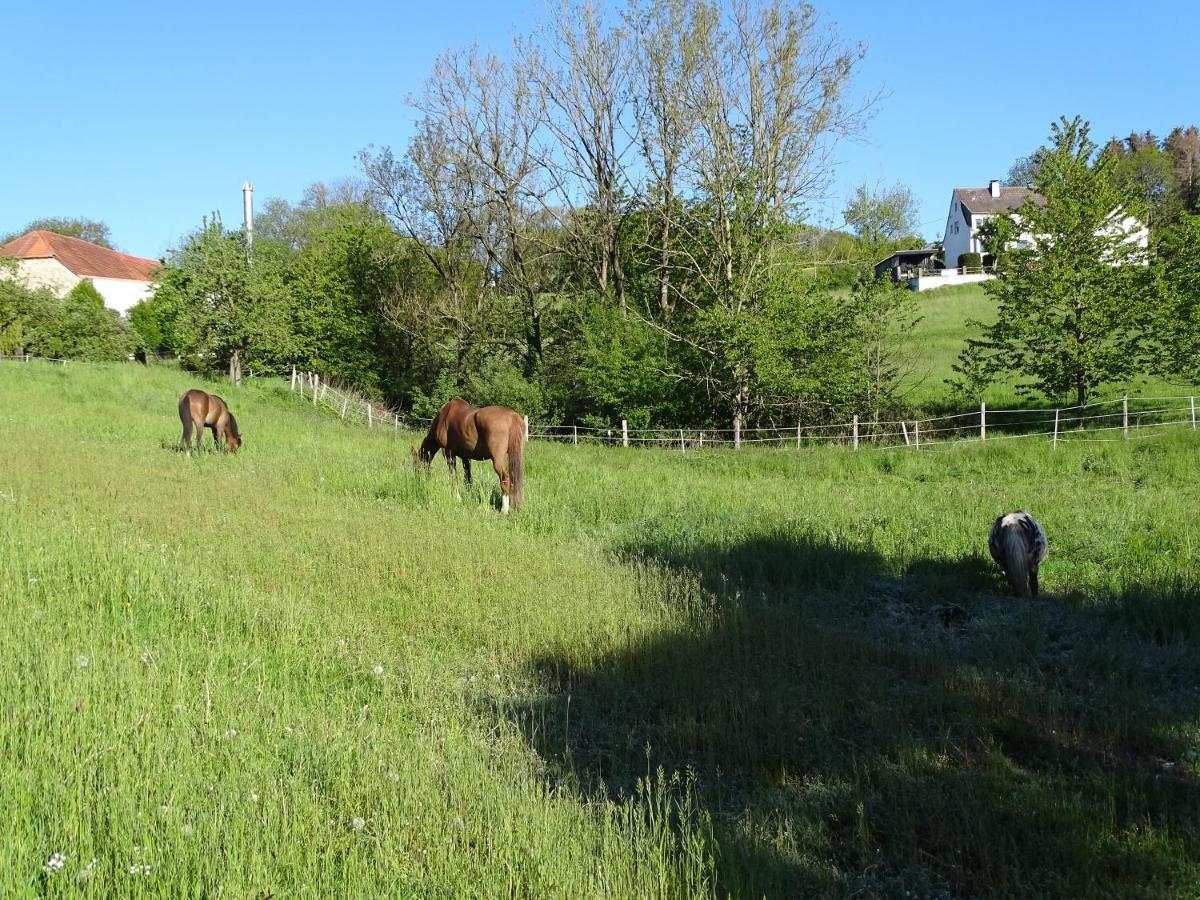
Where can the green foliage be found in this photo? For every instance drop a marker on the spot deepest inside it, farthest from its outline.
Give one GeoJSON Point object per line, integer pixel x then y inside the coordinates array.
{"type": "Point", "coordinates": [1177, 319]}
{"type": "Point", "coordinates": [1073, 302]}
{"type": "Point", "coordinates": [883, 216]}
{"type": "Point", "coordinates": [233, 308]}
{"type": "Point", "coordinates": [87, 330]}
{"type": "Point", "coordinates": [89, 230]}
{"type": "Point", "coordinates": [152, 322]}
{"type": "Point", "coordinates": [970, 260]}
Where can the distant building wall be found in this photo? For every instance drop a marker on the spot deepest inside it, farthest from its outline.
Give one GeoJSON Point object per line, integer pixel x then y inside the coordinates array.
{"type": "Point", "coordinates": [47, 273]}
{"type": "Point", "coordinates": [121, 294]}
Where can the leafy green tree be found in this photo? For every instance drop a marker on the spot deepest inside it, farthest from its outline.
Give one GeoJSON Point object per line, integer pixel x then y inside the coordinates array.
{"type": "Point", "coordinates": [233, 306]}
{"type": "Point", "coordinates": [89, 230]}
{"type": "Point", "coordinates": [1178, 321]}
{"type": "Point", "coordinates": [1073, 299]}
{"type": "Point", "coordinates": [1144, 169]}
{"type": "Point", "coordinates": [87, 329]}
{"type": "Point", "coordinates": [883, 215]}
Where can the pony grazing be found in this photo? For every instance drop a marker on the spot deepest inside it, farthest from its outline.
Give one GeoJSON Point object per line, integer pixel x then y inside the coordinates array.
{"type": "Point", "coordinates": [198, 410]}
{"type": "Point", "coordinates": [468, 432]}
{"type": "Point", "coordinates": [1018, 545]}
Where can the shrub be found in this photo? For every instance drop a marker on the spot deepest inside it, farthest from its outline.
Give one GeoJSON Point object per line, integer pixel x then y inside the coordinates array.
{"type": "Point", "coordinates": [970, 260]}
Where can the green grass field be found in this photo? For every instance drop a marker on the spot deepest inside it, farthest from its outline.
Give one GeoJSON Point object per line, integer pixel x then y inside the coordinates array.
{"type": "Point", "coordinates": [941, 335]}
{"type": "Point", "coordinates": [308, 671]}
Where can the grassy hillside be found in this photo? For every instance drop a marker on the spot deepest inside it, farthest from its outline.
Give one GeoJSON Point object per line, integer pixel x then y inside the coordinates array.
{"type": "Point", "coordinates": [942, 333]}
{"type": "Point", "coordinates": [307, 671]}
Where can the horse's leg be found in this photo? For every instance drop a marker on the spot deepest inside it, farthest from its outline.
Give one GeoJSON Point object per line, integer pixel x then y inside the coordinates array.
{"type": "Point", "coordinates": [467, 473]}
{"type": "Point", "coordinates": [452, 463]}
{"type": "Point", "coordinates": [502, 474]}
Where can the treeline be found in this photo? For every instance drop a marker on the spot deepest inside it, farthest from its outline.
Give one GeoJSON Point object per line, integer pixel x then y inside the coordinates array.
{"type": "Point", "coordinates": [602, 224]}
{"type": "Point", "coordinates": [76, 326]}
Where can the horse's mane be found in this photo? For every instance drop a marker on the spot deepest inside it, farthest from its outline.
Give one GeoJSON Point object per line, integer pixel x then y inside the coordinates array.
{"type": "Point", "coordinates": [233, 425]}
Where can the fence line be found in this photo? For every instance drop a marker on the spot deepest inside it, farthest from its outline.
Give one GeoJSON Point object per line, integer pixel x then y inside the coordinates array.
{"type": "Point", "coordinates": [1070, 423]}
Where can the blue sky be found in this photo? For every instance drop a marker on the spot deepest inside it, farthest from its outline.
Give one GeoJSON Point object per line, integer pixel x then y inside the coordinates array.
{"type": "Point", "coordinates": [149, 116]}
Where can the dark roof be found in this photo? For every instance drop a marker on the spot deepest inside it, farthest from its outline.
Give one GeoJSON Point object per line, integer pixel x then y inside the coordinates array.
{"type": "Point", "coordinates": [79, 256]}
{"type": "Point", "coordinates": [980, 200]}
{"type": "Point", "coordinates": [922, 253]}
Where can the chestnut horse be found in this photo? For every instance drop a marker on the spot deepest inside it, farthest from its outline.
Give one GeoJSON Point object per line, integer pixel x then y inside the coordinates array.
{"type": "Point", "coordinates": [198, 410]}
{"type": "Point", "coordinates": [468, 432]}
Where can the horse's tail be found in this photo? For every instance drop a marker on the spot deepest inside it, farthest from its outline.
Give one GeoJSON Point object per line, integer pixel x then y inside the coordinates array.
{"type": "Point", "coordinates": [1016, 559]}
{"type": "Point", "coordinates": [516, 466]}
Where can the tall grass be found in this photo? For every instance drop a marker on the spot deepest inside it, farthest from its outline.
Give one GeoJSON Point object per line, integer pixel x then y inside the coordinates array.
{"type": "Point", "coordinates": [307, 670]}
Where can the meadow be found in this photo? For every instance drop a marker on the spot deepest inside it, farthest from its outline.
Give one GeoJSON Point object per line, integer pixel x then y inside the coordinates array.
{"type": "Point", "coordinates": [307, 670]}
{"type": "Point", "coordinates": [940, 335]}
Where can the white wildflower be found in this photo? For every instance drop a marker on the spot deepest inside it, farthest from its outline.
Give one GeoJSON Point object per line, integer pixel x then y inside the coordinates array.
{"type": "Point", "coordinates": [395, 777]}
{"type": "Point", "coordinates": [139, 869]}
{"type": "Point", "coordinates": [254, 796]}
{"type": "Point", "coordinates": [358, 823]}
{"type": "Point", "coordinates": [378, 670]}
{"type": "Point", "coordinates": [81, 661]}
{"type": "Point", "coordinates": [231, 733]}
{"type": "Point", "coordinates": [147, 657]}
{"type": "Point", "coordinates": [341, 643]}
{"type": "Point", "coordinates": [32, 582]}
{"type": "Point", "coordinates": [54, 863]}
{"type": "Point", "coordinates": [472, 679]}
{"type": "Point", "coordinates": [85, 874]}
{"type": "Point", "coordinates": [186, 829]}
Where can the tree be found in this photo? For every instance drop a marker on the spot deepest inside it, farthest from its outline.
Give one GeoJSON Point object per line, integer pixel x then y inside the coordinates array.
{"type": "Point", "coordinates": [581, 74]}
{"type": "Point", "coordinates": [89, 230]}
{"type": "Point", "coordinates": [1178, 321]}
{"type": "Point", "coordinates": [1183, 147]}
{"type": "Point", "coordinates": [882, 215]}
{"type": "Point", "coordinates": [88, 330]}
{"type": "Point", "coordinates": [233, 309]}
{"type": "Point", "coordinates": [1145, 170]}
{"type": "Point", "coordinates": [1025, 171]}
{"type": "Point", "coordinates": [1073, 298]}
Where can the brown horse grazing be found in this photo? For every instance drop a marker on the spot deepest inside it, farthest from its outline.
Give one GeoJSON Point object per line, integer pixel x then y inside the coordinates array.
{"type": "Point", "coordinates": [198, 410]}
{"type": "Point", "coordinates": [468, 432]}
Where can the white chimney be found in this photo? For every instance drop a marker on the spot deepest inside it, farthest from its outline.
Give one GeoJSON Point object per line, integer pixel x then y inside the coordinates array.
{"type": "Point", "coordinates": [994, 188]}
{"type": "Point", "coordinates": [248, 210]}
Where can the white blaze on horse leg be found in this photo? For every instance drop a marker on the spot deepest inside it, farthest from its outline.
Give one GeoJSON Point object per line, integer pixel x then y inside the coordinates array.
{"type": "Point", "coordinates": [504, 504]}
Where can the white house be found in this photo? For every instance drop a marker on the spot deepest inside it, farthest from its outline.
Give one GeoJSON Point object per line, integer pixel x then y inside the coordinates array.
{"type": "Point", "coordinates": [971, 207]}
{"type": "Point", "coordinates": [58, 262]}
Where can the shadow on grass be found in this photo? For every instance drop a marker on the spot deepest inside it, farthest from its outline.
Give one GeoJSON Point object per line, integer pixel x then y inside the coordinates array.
{"type": "Point", "coordinates": [845, 740]}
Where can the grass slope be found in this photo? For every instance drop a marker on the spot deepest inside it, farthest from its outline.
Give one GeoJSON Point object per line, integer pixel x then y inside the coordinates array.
{"type": "Point", "coordinates": [941, 334]}
{"type": "Point", "coordinates": [308, 671]}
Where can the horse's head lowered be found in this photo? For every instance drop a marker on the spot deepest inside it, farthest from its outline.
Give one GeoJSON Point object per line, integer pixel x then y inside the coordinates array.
{"type": "Point", "coordinates": [233, 437]}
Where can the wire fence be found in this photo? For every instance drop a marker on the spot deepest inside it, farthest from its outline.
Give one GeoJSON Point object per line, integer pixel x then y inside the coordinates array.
{"type": "Point", "coordinates": [1121, 418]}
{"type": "Point", "coordinates": [1132, 417]}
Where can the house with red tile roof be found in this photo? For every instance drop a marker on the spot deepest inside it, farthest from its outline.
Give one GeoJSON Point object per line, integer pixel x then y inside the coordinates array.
{"type": "Point", "coordinates": [58, 262]}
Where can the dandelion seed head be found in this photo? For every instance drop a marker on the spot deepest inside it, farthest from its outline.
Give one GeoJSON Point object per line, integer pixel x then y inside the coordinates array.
{"type": "Point", "coordinates": [340, 643]}
{"type": "Point", "coordinates": [147, 657]}
{"type": "Point", "coordinates": [358, 823]}
{"type": "Point", "coordinates": [54, 863]}
{"type": "Point", "coordinates": [472, 679]}
{"type": "Point", "coordinates": [81, 661]}
{"type": "Point", "coordinates": [254, 796]}
{"type": "Point", "coordinates": [378, 670]}
{"type": "Point", "coordinates": [186, 829]}
{"type": "Point", "coordinates": [32, 581]}
{"type": "Point", "coordinates": [231, 733]}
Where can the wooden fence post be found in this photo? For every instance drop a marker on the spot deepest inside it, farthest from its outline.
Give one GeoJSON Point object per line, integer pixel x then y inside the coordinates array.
{"type": "Point", "coordinates": [854, 425]}
{"type": "Point", "coordinates": [396, 416]}
{"type": "Point", "coordinates": [982, 421]}
{"type": "Point", "coordinates": [370, 417]}
{"type": "Point", "coordinates": [624, 433]}
{"type": "Point", "coordinates": [316, 388]}
{"type": "Point", "coordinates": [737, 434]}
{"type": "Point", "coordinates": [1125, 416]}
{"type": "Point", "coordinates": [797, 435]}
{"type": "Point", "coordinates": [1193, 402]}
{"type": "Point", "coordinates": [293, 385]}
{"type": "Point", "coordinates": [324, 390]}
{"type": "Point", "coordinates": [917, 433]}
{"type": "Point", "coordinates": [300, 384]}
{"type": "Point", "coordinates": [575, 435]}
{"type": "Point", "coordinates": [682, 447]}
{"type": "Point", "coordinates": [345, 403]}
{"type": "Point", "coordinates": [1054, 443]}
{"type": "Point", "coordinates": [904, 429]}
{"type": "Point", "coordinates": [702, 440]}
